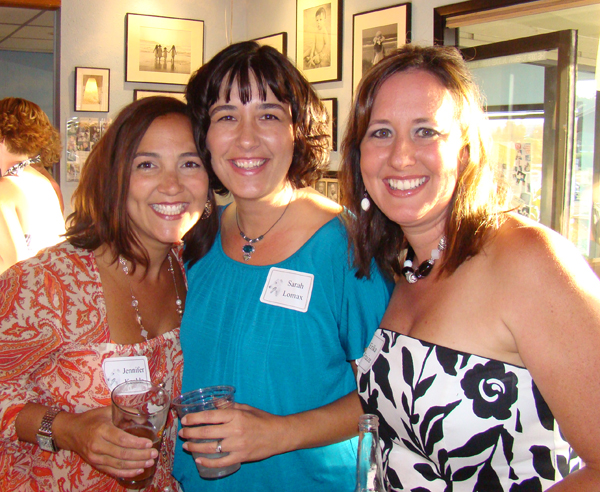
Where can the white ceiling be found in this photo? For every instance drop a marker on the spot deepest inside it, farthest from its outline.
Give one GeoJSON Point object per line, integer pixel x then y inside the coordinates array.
{"type": "Point", "coordinates": [26, 30]}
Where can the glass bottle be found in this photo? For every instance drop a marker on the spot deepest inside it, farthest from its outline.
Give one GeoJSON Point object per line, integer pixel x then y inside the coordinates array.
{"type": "Point", "coordinates": [369, 473]}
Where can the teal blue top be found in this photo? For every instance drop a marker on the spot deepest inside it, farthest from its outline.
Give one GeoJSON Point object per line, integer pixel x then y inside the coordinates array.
{"type": "Point", "coordinates": [280, 360]}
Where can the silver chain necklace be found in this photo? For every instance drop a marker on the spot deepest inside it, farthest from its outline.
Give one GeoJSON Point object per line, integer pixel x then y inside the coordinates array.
{"type": "Point", "coordinates": [248, 249]}
{"type": "Point", "coordinates": [135, 303]}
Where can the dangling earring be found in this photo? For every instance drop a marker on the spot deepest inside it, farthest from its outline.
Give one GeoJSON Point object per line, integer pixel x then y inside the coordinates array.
{"type": "Point", "coordinates": [207, 210]}
{"type": "Point", "coordinates": [365, 203]}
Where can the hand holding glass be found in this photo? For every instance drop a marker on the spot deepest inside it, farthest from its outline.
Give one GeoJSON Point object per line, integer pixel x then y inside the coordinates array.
{"type": "Point", "coordinates": [211, 398]}
{"type": "Point", "coordinates": [140, 408]}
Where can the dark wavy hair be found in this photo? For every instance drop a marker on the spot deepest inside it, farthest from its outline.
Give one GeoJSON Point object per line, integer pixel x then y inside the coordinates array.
{"type": "Point", "coordinates": [26, 129]}
{"type": "Point", "coordinates": [478, 198]}
{"type": "Point", "coordinates": [100, 215]}
{"type": "Point", "coordinates": [240, 64]}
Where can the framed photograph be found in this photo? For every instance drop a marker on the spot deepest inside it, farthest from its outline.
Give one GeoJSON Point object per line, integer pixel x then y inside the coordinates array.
{"type": "Point", "coordinates": [140, 94]}
{"type": "Point", "coordinates": [92, 89]}
{"type": "Point", "coordinates": [331, 106]}
{"type": "Point", "coordinates": [329, 186]}
{"type": "Point", "coordinates": [375, 34]}
{"type": "Point", "coordinates": [163, 50]}
{"type": "Point", "coordinates": [319, 39]}
{"type": "Point", "coordinates": [277, 41]}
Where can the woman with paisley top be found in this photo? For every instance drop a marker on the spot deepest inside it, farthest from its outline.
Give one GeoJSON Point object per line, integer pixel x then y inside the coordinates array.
{"type": "Point", "coordinates": [79, 316]}
{"type": "Point", "coordinates": [492, 335]}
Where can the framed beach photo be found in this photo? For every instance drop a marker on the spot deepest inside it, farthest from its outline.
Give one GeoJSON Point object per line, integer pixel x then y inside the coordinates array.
{"type": "Point", "coordinates": [277, 41]}
{"type": "Point", "coordinates": [319, 39]}
{"type": "Point", "coordinates": [92, 89]}
{"type": "Point", "coordinates": [140, 94]}
{"type": "Point", "coordinates": [163, 50]}
{"type": "Point", "coordinates": [331, 105]}
{"type": "Point", "coordinates": [375, 34]}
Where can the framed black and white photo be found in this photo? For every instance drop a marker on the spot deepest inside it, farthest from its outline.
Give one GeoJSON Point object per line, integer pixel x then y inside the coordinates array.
{"type": "Point", "coordinates": [277, 41]}
{"type": "Point", "coordinates": [331, 106]}
{"type": "Point", "coordinates": [375, 34]}
{"type": "Point", "coordinates": [92, 89]}
{"type": "Point", "coordinates": [319, 39]}
{"type": "Point", "coordinates": [140, 94]}
{"type": "Point", "coordinates": [329, 186]}
{"type": "Point", "coordinates": [163, 50]}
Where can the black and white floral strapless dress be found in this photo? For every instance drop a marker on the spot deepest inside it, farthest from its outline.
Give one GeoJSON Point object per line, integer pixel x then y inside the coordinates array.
{"type": "Point", "coordinates": [451, 421]}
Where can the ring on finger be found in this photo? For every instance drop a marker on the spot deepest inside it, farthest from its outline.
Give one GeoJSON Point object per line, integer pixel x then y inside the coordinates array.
{"type": "Point", "coordinates": [218, 450]}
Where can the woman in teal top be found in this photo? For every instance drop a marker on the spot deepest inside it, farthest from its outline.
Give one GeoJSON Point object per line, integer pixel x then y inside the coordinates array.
{"type": "Point", "coordinates": [274, 308]}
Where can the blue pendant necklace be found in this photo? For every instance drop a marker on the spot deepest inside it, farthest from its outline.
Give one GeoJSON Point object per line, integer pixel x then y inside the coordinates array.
{"type": "Point", "coordinates": [248, 249]}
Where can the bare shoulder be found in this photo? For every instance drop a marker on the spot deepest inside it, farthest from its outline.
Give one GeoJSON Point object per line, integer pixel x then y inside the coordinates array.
{"type": "Point", "coordinates": [314, 208]}
{"type": "Point", "coordinates": [523, 249]}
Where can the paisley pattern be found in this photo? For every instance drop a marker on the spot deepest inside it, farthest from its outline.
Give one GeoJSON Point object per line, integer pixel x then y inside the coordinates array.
{"type": "Point", "coordinates": [451, 421]}
{"type": "Point", "coordinates": [54, 337]}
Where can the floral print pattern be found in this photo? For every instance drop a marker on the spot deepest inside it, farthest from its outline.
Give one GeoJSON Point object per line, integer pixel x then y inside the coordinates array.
{"type": "Point", "coordinates": [451, 421]}
{"type": "Point", "coordinates": [54, 337]}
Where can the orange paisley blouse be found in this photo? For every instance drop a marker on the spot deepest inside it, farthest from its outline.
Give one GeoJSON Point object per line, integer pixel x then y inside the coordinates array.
{"type": "Point", "coordinates": [54, 337]}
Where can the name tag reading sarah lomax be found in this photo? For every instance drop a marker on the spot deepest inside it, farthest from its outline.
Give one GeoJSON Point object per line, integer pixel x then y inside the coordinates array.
{"type": "Point", "coordinates": [288, 289]}
{"type": "Point", "coordinates": [118, 370]}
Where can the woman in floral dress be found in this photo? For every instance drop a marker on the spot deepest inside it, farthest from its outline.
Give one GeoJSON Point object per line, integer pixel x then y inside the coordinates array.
{"type": "Point", "coordinates": [79, 316]}
{"type": "Point", "coordinates": [492, 335]}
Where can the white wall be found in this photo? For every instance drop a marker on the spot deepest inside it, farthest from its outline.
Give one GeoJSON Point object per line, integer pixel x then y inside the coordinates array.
{"type": "Point", "coordinates": [93, 35]}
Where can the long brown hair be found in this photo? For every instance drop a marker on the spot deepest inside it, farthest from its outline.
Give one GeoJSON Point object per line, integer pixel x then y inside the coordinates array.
{"type": "Point", "coordinates": [100, 200]}
{"type": "Point", "coordinates": [477, 198]}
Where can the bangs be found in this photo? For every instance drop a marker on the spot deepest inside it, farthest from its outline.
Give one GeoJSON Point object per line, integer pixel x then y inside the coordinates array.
{"type": "Point", "coordinates": [262, 73]}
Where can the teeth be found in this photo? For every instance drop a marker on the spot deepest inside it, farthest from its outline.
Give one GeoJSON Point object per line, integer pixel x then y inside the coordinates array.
{"type": "Point", "coordinates": [249, 163]}
{"type": "Point", "coordinates": [405, 184]}
{"type": "Point", "coordinates": [174, 209]}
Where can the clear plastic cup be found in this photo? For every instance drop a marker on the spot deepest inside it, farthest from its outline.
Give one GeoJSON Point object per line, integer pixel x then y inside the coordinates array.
{"type": "Point", "coordinates": [141, 408]}
{"type": "Point", "coordinates": [210, 398]}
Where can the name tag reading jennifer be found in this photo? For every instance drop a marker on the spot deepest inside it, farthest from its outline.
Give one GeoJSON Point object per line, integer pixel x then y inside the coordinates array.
{"type": "Point", "coordinates": [288, 289]}
{"type": "Point", "coordinates": [118, 370]}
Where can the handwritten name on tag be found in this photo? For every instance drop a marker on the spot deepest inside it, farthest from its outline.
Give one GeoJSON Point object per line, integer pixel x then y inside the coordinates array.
{"type": "Point", "coordinates": [118, 370]}
{"type": "Point", "coordinates": [288, 289]}
{"type": "Point", "coordinates": [371, 353]}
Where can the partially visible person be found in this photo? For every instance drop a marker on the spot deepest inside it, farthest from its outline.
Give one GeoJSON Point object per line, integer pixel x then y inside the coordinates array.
{"type": "Point", "coordinates": [484, 371]}
{"type": "Point", "coordinates": [274, 308]}
{"type": "Point", "coordinates": [30, 208]}
{"type": "Point", "coordinates": [378, 48]}
{"type": "Point", "coordinates": [110, 298]}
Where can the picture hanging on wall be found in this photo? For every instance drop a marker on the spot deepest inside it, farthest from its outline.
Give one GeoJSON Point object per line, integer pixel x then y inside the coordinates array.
{"type": "Point", "coordinates": [331, 106]}
{"type": "Point", "coordinates": [375, 34]}
{"type": "Point", "coordinates": [163, 50]}
{"type": "Point", "coordinates": [82, 135]}
{"type": "Point", "coordinates": [319, 39]}
{"type": "Point", "coordinates": [329, 186]}
{"type": "Point", "coordinates": [92, 89]}
{"type": "Point", "coordinates": [140, 94]}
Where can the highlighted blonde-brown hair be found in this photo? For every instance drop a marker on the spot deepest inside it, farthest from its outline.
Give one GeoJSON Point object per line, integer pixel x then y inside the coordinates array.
{"type": "Point", "coordinates": [26, 129]}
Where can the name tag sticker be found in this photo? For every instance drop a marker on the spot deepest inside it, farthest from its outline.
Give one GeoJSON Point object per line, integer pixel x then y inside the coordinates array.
{"type": "Point", "coordinates": [371, 353]}
{"type": "Point", "coordinates": [119, 370]}
{"type": "Point", "coordinates": [288, 289]}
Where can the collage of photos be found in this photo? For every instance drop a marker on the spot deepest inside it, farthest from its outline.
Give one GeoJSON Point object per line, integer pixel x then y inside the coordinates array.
{"type": "Point", "coordinates": [82, 135]}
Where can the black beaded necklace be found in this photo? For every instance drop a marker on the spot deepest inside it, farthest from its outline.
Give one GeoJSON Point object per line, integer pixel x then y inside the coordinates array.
{"type": "Point", "coordinates": [425, 268]}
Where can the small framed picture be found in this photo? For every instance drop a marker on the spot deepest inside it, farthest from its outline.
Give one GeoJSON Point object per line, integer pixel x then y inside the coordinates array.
{"type": "Point", "coordinates": [92, 89]}
{"type": "Point", "coordinates": [375, 34]}
{"type": "Point", "coordinates": [140, 94]}
{"type": "Point", "coordinates": [277, 41]}
{"type": "Point", "coordinates": [319, 39]}
{"type": "Point", "coordinates": [331, 105]}
{"type": "Point", "coordinates": [329, 186]}
{"type": "Point", "coordinates": [163, 50]}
